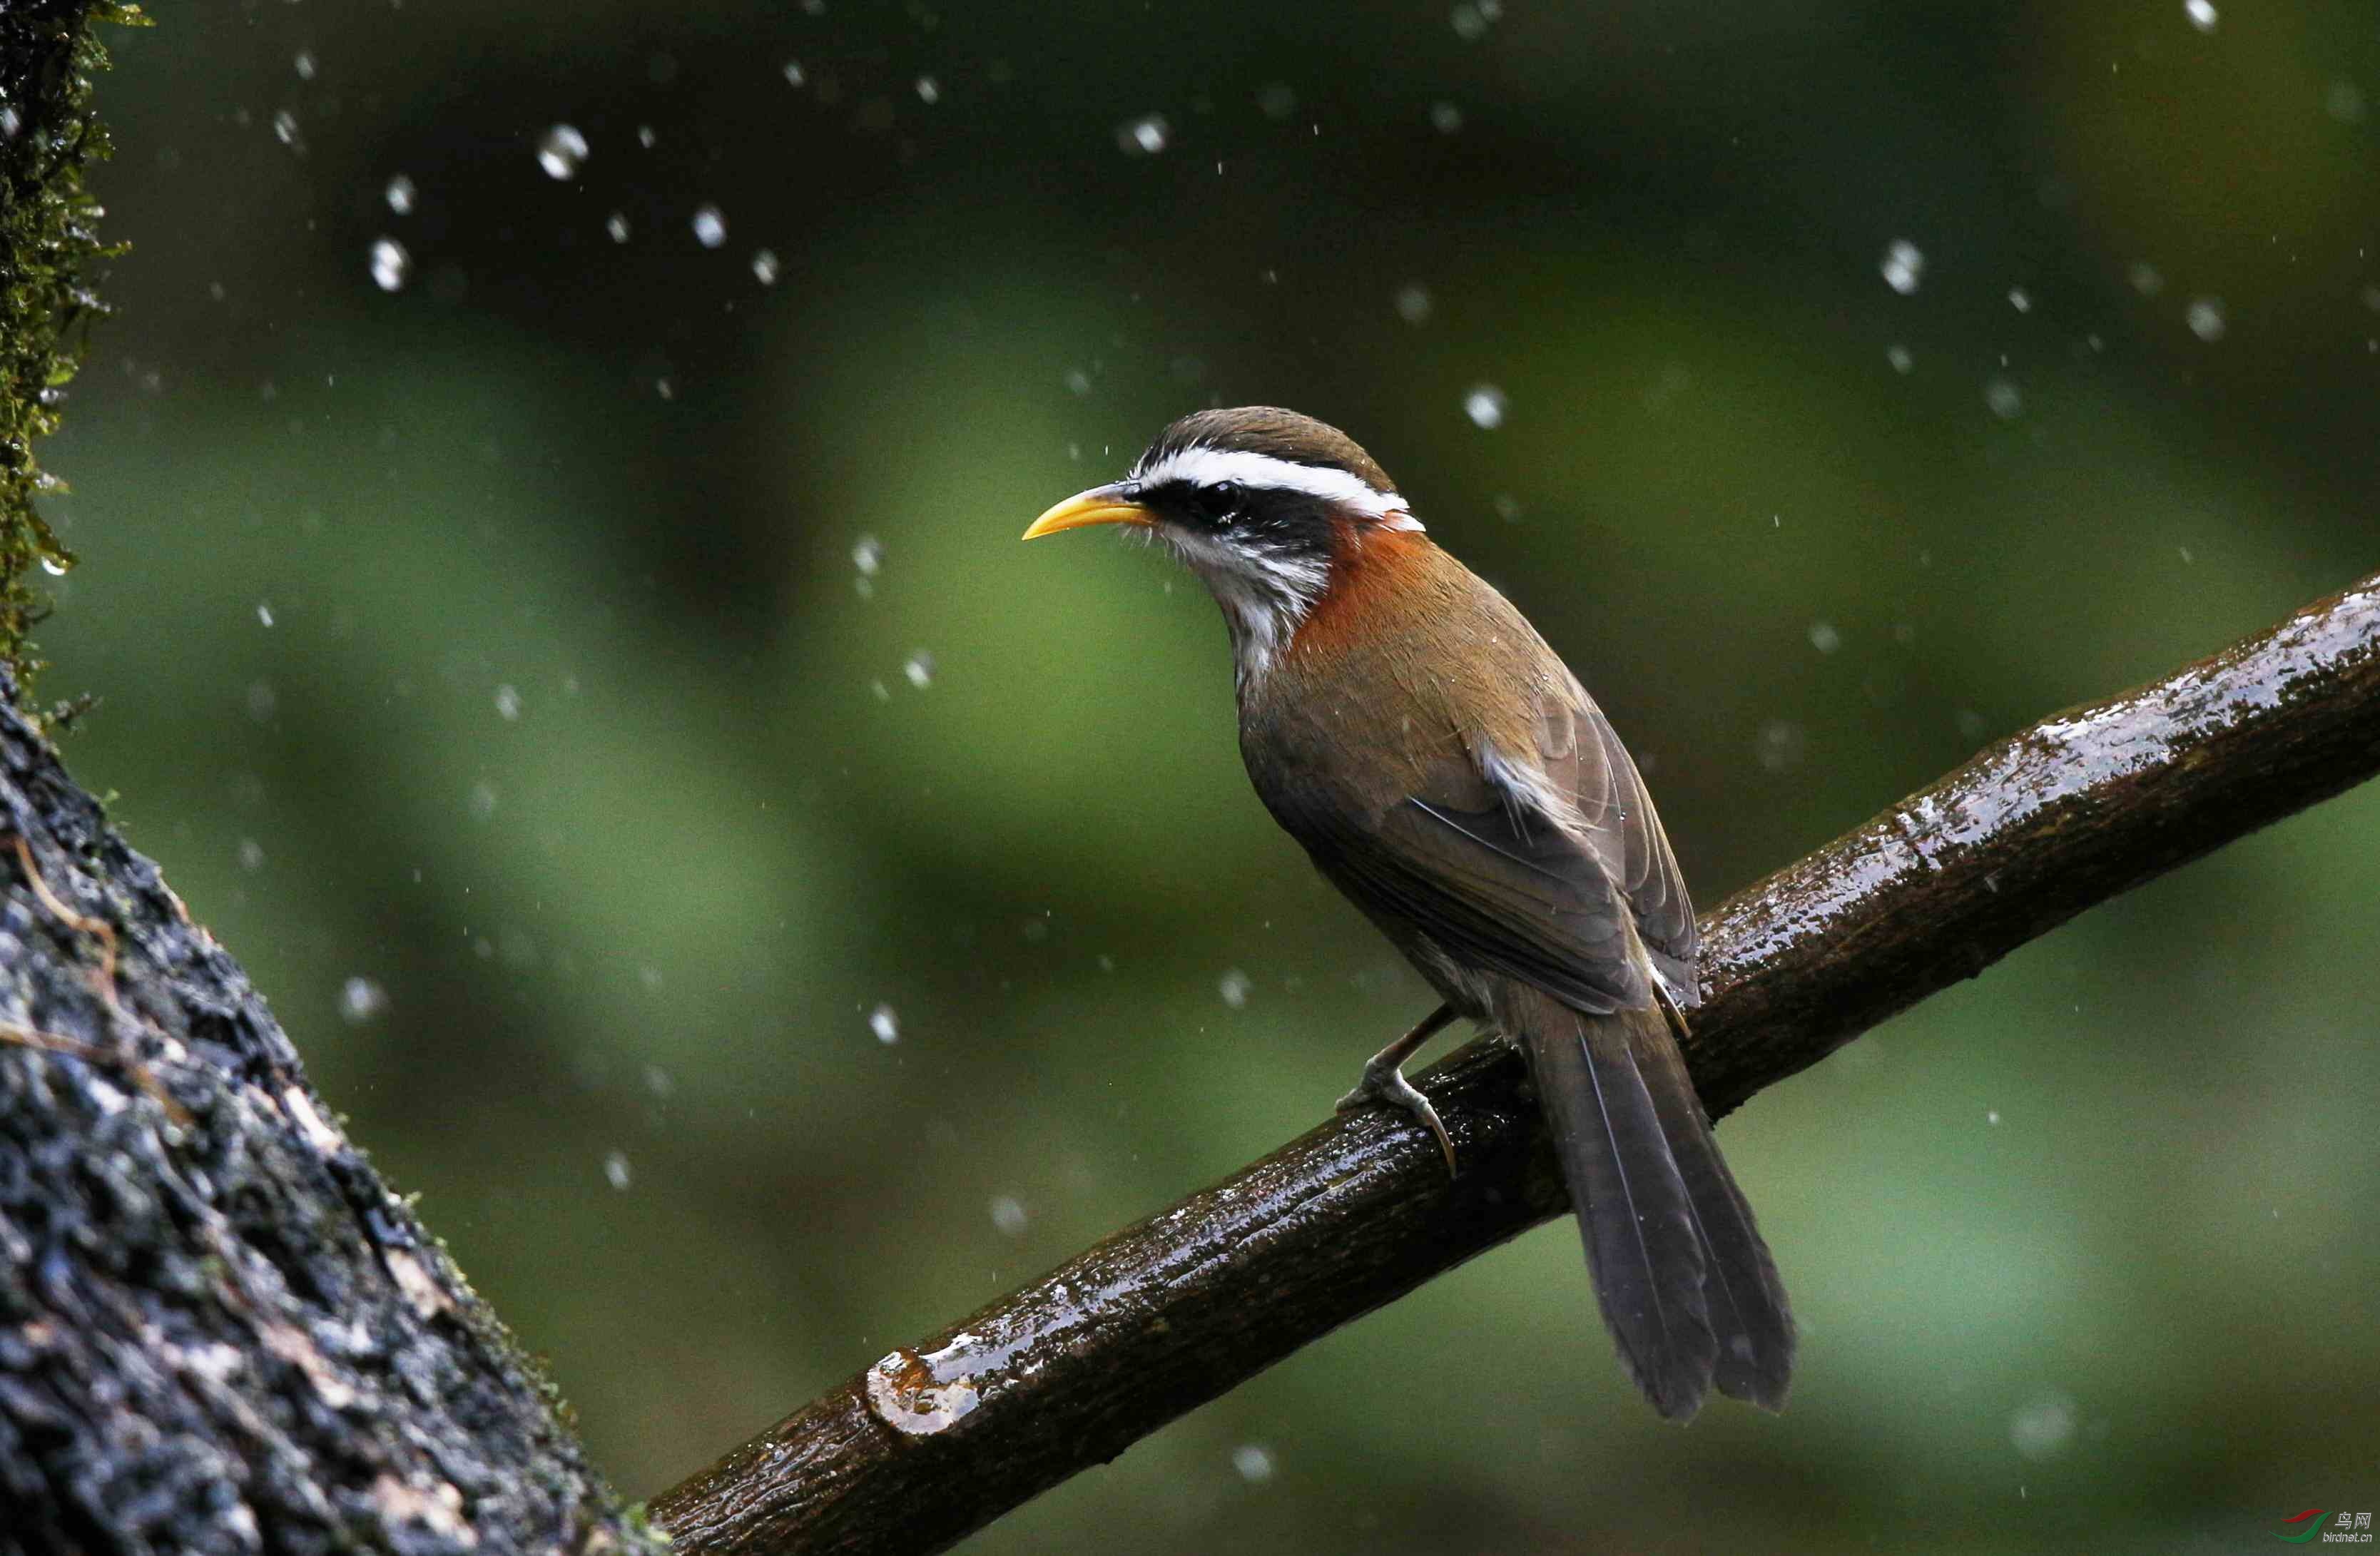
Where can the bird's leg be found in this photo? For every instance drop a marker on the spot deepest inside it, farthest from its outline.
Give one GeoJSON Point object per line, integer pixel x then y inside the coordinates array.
{"type": "Point", "coordinates": [1384, 1081]}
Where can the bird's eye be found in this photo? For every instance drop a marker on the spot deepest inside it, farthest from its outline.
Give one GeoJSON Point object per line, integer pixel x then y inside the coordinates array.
{"type": "Point", "coordinates": [1219, 502]}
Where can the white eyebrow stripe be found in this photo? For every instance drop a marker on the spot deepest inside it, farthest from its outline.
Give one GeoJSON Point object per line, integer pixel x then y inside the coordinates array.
{"type": "Point", "coordinates": [1208, 467]}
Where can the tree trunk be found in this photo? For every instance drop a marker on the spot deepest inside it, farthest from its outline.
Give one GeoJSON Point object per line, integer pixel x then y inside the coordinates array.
{"type": "Point", "coordinates": [219, 1330]}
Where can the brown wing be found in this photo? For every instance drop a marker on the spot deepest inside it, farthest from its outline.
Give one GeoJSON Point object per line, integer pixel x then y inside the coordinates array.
{"type": "Point", "coordinates": [1506, 887]}
{"type": "Point", "coordinates": [1582, 757]}
{"type": "Point", "coordinates": [1495, 890]}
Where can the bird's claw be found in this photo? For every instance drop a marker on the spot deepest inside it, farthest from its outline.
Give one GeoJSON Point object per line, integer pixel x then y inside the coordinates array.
{"type": "Point", "coordinates": [1386, 1086]}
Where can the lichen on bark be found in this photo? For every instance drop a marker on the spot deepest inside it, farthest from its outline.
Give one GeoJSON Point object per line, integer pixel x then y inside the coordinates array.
{"type": "Point", "coordinates": [49, 238]}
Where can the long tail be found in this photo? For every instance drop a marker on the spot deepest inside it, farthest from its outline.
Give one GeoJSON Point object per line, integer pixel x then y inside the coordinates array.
{"type": "Point", "coordinates": [1686, 1284]}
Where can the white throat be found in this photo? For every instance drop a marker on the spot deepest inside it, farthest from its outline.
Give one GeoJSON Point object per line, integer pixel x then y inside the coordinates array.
{"type": "Point", "coordinates": [1264, 597]}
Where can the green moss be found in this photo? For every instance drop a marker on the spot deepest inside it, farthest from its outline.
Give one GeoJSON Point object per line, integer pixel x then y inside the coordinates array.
{"type": "Point", "coordinates": [48, 238]}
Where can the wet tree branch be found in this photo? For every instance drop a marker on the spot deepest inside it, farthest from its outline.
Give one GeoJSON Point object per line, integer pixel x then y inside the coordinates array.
{"type": "Point", "coordinates": [935, 1441]}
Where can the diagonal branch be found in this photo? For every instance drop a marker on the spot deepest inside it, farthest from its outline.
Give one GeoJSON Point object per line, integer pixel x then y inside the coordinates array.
{"type": "Point", "coordinates": [931, 1443]}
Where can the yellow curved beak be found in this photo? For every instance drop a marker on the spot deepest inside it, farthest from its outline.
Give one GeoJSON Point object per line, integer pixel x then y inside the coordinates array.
{"type": "Point", "coordinates": [1100, 505]}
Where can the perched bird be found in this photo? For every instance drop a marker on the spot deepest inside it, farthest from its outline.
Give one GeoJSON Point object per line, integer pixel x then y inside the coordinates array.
{"type": "Point", "coordinates": [1445, 770]}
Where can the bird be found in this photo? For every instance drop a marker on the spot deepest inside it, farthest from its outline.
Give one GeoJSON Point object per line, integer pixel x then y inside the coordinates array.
{"type": "Point", "coordinates": [1445, 770]}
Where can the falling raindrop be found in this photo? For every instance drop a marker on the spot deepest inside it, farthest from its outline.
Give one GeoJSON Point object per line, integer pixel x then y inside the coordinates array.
{"type": "Point", "coordinates": [284, 129]}
{"type": "Point", "coordinates": [1008, 1216]}
{"type": "Point", "coordinates": [929, 91]}
{"type": "Point", "coordinates": [644, 136]}
{"type": "Point", "coordinates": [867, 555]}
{"type": "Point", "coordinates": [561, 151]}
{"type": "Point", "coordinates": [1445, 117]}
{"type": "Point", "coordinates": [1824, 637]}
{"type": "Point", "coordinates": [1486, 404]}
{"type": "Point", "coordinates": [390, 264]}
{"type": "Point", "coordinates": [1144, 136]}
{"type": "Point", "coordinates": [399, 195]}
{"type": "Point", "coordinates": [508, 704]}
{"type": "Point", "coordinates": [483, 800]}
{"type": "Point", "coordinates": [764, 266]}
{"type": "Point", "coordinates": [2005, 400]}
{"type": "Point", "coordinates": [919, 669]}
{"type": "Point", "coordinates": [1235, 986]}
{"type": "Point", "coordinates": [2145, 278]}
{"type": "Point", "coordinates": [1782, 745]}
{"type": "Point", "coordinates": [885, 1024]}
{"type": "Point", "coordinates": [1903, 266]}
{"type": "Point", "coordinates": [795, 76]}
{"type": "Point", "coordinates": [251, 854]}
{"type": "Point", "coordinates": [2043, 1426]}
{"type": "Point", "coordinates": [304, 65]}
{"type": "Point", "coordinates": [2205, 317]}
{"type": "Point", "coordinates": [362, 1000]}
{"type": "Point", "coordinates": [617, 225]}
{"type": "Point", "coordinates": [616, 1170]}
{"type": "Point", "coordinates": [710, 226]}
{"type": "Point", "coordinates": [1254, 1462]}
{"type": "Point", "coordinates": [1902, 360]}
{"type": "Point", "coordinates": [2202, 14]}
{"type": "Point", "coordinates": [2020, 300]}
{"type": "Point", "coordinates": [1414, 303]}
{"type": "Point", "coordinates": [264, 612]}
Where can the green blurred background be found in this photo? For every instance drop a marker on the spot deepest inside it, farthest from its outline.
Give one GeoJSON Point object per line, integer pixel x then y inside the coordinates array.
{"type": "Point", "coordinates": [589, 676]}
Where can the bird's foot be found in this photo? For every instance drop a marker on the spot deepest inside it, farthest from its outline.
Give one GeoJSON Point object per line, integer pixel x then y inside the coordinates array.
{"type": "Point", "coordinates": [1385, 1085]}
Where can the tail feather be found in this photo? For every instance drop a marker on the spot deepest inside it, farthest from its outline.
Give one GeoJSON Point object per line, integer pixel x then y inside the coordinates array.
{"type": "Point", "coordinates": [1747, 1300]}
{"type": "Point", "coordinates": [1634, 1214]}
{"type": "Point", "coordinates": [1686, 1284]}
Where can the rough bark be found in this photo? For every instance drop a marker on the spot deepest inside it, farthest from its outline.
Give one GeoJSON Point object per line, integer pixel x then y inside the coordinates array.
{"type": "Point", "coordinates": [938, 1440]}
{"type": "Point", "coordinates": [219, 1330]}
